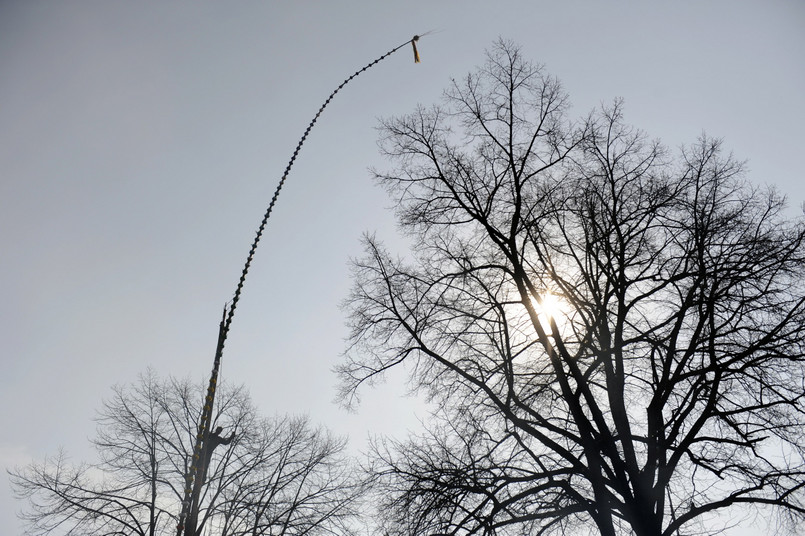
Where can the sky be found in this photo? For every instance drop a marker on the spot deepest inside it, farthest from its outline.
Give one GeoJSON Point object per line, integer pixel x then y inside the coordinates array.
{"type": "Point", "coordinates": [140, 143]}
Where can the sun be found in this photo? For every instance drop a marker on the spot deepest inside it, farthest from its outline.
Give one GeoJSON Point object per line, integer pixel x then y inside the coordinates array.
{"type": "Point", "coordinates": [550, 307]}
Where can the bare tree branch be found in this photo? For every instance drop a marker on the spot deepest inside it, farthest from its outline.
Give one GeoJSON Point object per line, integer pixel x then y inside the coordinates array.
{"type": "Point", "coordinates": [667, 386]}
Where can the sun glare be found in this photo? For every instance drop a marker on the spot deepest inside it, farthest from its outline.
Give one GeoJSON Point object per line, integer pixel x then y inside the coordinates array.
{"type": "Point", "coordinates": [549, 306]}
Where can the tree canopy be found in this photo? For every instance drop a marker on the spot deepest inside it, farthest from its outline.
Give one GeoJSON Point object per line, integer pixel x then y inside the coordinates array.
{"type": "Point", "coordinates": [269, 476]}
{"type": "Point", "coordinates": [612, 333]}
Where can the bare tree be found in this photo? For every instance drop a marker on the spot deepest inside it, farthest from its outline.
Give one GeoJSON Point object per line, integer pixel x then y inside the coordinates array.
{"type": "Point", "coordinates": [300, 483]}
{"type": "Point", "coordinates": [613, 337]}
{"type": "Point", "coordinates": [267, 476]}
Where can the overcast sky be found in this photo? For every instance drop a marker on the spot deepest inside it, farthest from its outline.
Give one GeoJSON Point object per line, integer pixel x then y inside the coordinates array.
{"type": "Point", "coordinates": [140, 143]}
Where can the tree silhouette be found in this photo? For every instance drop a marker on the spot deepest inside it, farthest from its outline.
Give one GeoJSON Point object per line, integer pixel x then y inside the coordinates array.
{"type": "Point", "coordinates": [267, 476]}
{"type": "Point", "coordinates": [612, 336]}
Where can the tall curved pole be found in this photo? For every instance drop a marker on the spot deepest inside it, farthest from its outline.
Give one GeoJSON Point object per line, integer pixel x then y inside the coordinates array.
{"type": "Point", "coordinates": [188, 517]}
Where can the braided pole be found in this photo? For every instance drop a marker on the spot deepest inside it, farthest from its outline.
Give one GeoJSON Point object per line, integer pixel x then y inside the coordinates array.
{"type": "Point", "coordinates": [226, 321]}
{"type": "Point", "coordinates": [263, 223]}
{"type": "Point", "coordinates": [194, 465]}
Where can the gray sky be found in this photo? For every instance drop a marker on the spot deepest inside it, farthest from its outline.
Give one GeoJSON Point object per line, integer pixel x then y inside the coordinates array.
{"type": "Point", "coordinates": [140, 143]}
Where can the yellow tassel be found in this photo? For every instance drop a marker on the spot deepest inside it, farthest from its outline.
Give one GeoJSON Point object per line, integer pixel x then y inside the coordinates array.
{"type": "Point", "coordinates": [413, 44]}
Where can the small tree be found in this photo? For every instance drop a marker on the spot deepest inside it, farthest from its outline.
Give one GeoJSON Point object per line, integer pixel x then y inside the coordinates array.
{"type": "Point", "coordinates": [268, 476]}
{"type": "Point", "coordinates": [612, 337]}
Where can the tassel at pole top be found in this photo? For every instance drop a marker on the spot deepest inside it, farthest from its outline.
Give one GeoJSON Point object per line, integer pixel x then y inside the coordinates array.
{"type": "Point", "coordinates": [416, 52]}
